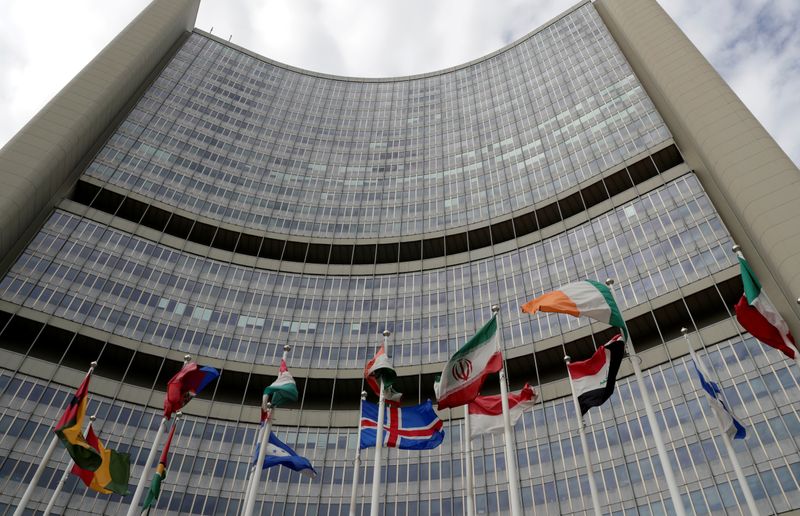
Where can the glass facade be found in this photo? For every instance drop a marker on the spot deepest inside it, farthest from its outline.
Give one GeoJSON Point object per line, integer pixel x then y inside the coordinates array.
{"type": "Point", "coordinates": [239, 141]}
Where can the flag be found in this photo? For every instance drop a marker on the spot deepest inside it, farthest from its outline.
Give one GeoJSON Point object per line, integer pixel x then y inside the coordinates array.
{"type": "Point", "coordinates": [185, 385]}
{"type": "Point", "coordinates": [282, 390]}
{"type": "Point", "coordinates": [114, 472]}
{"type": "Point", "coordinates": [486, 412]}
{"type": "Point", "coordinates": [580, 299]}
{"type": "Point", "coordinates": [463, 375]}
{"type": "Point", "coordinates": [593, 379]}
{"type": "Point", "coordinates": [756, 313]}
{"type": "Point", "coordinates": [380, 368]}
{"type": "Point", "coordinates": [160, 475]}
{"type": "Point", "coordinates": [727, 423]}
{"type": "Point", "coordinates": [280, 454]}
{"type": "Point", "coordinates": [69, 430]}
{"type": "Point", "coordinates": [407, 428]}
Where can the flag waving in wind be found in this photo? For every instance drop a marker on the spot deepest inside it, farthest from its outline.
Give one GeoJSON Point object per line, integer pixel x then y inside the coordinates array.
{"type": "Point", "coordinates": [113, 473]}
{"type": "Point", "coordinates": [282, 390]}
{"type": "Point", "coordinates": [161, 473]}
{"type": "Point", "coordinates": [486, 412]}
{"type": "Point", "coordinates": [280, 454]}
{"type": "Point", "coordinates": [407, 428]}
{"type": "Point", "coordinates": [380, 368]}
{"type": "Point", "coordinates": [725, 419]}
{"type": "Point", "coordinates": [594, 379]}
{"type": "Point", "coordinates": [185, 385]}
{"type": "Point", "coordinates": [69, 430]}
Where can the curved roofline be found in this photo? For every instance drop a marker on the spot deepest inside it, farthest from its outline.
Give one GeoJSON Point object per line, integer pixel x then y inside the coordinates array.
{"type": "Point", "coordinates": [398, 78]}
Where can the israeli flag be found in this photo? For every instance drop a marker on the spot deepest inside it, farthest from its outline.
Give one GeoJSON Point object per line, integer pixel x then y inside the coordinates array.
{"type": "Point", "coordinates": [280, 454]}
{"type": "Point", "coordinates": [727, 422]}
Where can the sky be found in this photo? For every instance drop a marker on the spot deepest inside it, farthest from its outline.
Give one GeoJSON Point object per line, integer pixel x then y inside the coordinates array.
{"type": "Point", "coordinates": [754, 44]}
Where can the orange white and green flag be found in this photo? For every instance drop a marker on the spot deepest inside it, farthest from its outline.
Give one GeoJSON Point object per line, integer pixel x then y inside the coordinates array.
{"type": "Point", "coordinates": [580, 299]}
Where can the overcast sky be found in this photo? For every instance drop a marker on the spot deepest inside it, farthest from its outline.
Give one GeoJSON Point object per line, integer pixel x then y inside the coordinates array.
{"type": "Point", "coordinates": [754, 44]}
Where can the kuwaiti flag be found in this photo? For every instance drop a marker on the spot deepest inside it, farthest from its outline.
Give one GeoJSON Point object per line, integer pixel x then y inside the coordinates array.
{"type": "Point", "coordinates": [756, 313]}
{"type": "Point", "coordinates": [580, 299]}
{"type": "Point", "coordinates": [593, 379]}
{"type": "Point", "coordinates": [282, 390]}
{"type": "Point", "coordinates": [463, 375]}
{"type": "Point", "coordinates": [280, 454]}
{"type": "Point", "coordinates": [380, 368]}
{"type": "Point", "coordinates": [727, 423]}
{"type": "Point", "coordinates": [486, 412]}
{"type": "Point", "coordinates": [407, 428]}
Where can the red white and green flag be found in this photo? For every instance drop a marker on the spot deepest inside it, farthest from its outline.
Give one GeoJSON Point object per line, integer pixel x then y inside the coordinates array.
{"type": "Point", "coordinates": [464, 374]}
{"type": "Point", "coordinates": [756, 313]}
{"type": "Point", "coordinates": [486, 412]}
{"type": "Point", "coordinates": [586, 298]}
{"type": "Point", "coordinates": [380, 368]}
{"type": "Point", "coordinates": [282, 390]}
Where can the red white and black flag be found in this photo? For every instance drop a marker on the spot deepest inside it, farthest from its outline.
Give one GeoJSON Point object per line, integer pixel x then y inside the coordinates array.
{"type": "Point", "coordinates": [593, 379]}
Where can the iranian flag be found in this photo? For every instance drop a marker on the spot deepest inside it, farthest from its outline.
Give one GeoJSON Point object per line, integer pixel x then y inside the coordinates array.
{"type": "Point", "coordinates": [282, 390]}
{"type": "Point", "coordinates": [580, 299]}
{"type": "Point", "coordinates": [486, 412]}
{"type": "Point", "coordinates": [756, 313]}
{"type": "Point", "coordinates": [593, 379]}
{"type": "Point", "coordinates": [463, 376]}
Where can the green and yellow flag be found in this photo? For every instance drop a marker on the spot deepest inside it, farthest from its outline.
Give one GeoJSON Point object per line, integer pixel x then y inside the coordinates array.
{"type": "Point", "coordinates": [114, 472]}
{"type": "Point", "coordinates": [70, 430]}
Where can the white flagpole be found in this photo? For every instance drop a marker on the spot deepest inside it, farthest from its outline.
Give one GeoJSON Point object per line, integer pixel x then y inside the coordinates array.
{"type": "Point", "coordinates": [64, 478]}
{"type": "Point", "coordinates": [511, 454]}
{"type": "Point", "coordinates": [357, 462]}
{"type": "Point", "coordinates": [133, 508]}
{"type": "Point", "coordinates": [666, 466]}
{"type": "Point", "coordinates": [737, 468]}
{"type": "Point", "coordinates": [376, 473]}
{"type": "Point", "coordinates": [584, 444]}
{"type": "Point", "coordinates": [26, 497]}
{"type": "Point", "coordinates": [468, 447]}
{"type": "Point", "coordinates": [250, 500]}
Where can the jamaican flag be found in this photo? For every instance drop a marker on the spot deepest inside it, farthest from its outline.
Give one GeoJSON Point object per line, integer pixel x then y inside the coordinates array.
{"type": "Point", "coordinates": [70, 430]}
{"type": "Point", "coordinates": [112, 475]}
{"type": "Point", "coordinates": [161, 474]}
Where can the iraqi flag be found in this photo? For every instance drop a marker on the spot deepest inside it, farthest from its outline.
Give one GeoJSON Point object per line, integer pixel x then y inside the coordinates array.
{"type": "Point", "coordinates": [464, 374]}
{"type": "Point", "coordinates": [756, 313]}
{"type": "Point", "coordinates": [586, 298]}
{"type": "Point", "coordinates": [486, 412]}
{"type": "Point", "coordinates": [407, 428]}
{"type": "Point", "coordinates": [593, 379]}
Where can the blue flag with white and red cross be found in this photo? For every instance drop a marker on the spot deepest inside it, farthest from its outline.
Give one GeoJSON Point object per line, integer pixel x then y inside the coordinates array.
{"type": "Point", "coordinates": [407, 428]}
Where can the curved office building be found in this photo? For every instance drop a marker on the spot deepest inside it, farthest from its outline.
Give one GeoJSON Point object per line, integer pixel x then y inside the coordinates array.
{"type": "Point", "coordinates": [229, 205]}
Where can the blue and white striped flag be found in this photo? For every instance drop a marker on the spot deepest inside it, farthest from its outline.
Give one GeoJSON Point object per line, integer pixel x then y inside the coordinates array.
{"type": "Point", "coordinates": [727, 422]}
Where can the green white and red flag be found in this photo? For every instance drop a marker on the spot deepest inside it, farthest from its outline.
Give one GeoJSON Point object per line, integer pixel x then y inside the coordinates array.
{"type": "Point", "coordinates": [756, 313]}
{"type": "Point", "coordinates": [464, 374]}
{"type": "Point", "coordinates": [380, 368]}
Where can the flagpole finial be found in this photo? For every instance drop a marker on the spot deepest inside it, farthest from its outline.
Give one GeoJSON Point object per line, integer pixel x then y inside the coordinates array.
{"type": "Point", "coordinates": [495, 309]}
{"type": "Point", "coordinates": [386, 333]}
{"type": "Point", "coordinates": [93, 364]}
{"type": "Point", "coordinates": [269, 405]}
{"type": "Point", "coordinates": [736, 248]}
{"type": "Point", "coordinates": [609, 282]}
{"type": "Point", "coordinates": [684, 330]}
{"type": "Point", "coordinates": [178, 414]}
{"type": "Point", "coordinates": [92, 418]}
{"type": "Point", "coordinates": [363, 395]}
{"type": "Point", "coordinates": [187, 359]}
{"type": "Point", "coordinates": [567, 358]}
{"type": "Point", "coordinates": [287, 347]}
{"type": "Point", "coordinates": [798, 300]}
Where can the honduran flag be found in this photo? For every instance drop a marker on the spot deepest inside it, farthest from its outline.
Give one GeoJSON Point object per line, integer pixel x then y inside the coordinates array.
{"type": "Point", "coordinates": [580, 299]}
{"type": "Point", "coordinates": [756, 313]}
{"type": "Point", "coordinates": [279, 453]}
{"type": "Point", "coordinates": [593, 379]}
{"type": "Point", "coordinates": [185, 385]}
{"type": "Point", "coordinates": [486, 412]}
{"type": "Point", "coordinates": [407, 428]}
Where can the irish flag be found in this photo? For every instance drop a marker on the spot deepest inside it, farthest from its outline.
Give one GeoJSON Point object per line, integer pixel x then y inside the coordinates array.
{"type": "Point", "coordinates": [580, 299]}
{"type": "Point", "coordinates": [756, 313]}
{"type": "Point", "coordinates": [486, 412]}
{"type": "Point", "coordinates": [463, 376]}
{"type": "Point", "coordinates": [593, 379]}
{"type": "Point", "coordinates": [282, 390]}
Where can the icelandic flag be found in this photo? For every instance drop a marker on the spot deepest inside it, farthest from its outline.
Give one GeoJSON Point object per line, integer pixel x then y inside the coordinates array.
{"type": "Point", "coordinates": [280, 454]}
{"type": "Point", "coordinates": [407, 428]}
{"type": "Point", "coordinates": [727, 422]}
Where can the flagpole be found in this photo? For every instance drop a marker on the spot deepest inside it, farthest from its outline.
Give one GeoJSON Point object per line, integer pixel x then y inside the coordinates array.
{"type": "Point", "coordinates": [587, 457]}
{"type": "Point", "coordinates": [376, 472]}
{"type": "Point", "coordinates": [137, 495]}
{"type": "Point", "coordinates": [357, 462]}
{"type": "Point", "coordinates": [666, 466]}
{"type": "Point", "coordinates": [64, 477]}
{"type": "Point", "coordinates": [511, 455]}
{"type": "Point", "coordinates": [26, 497]}
{"type": "Point", "coordinates": [470, 480]}
{"type": "Point", "coordinates": [737, 468]}
{"type": "Point", "coordinates": [250, 501]}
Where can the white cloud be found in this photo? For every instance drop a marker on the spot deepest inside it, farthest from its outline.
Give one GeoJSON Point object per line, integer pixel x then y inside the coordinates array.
{"type": "Point", "coordinates": [755, 44]}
